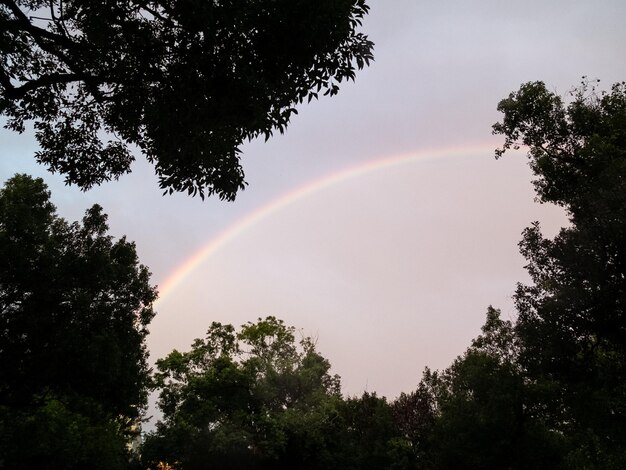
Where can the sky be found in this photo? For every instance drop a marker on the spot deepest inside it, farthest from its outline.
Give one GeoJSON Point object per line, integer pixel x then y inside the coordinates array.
{"type": "Point", "coordinates": [380, 223]}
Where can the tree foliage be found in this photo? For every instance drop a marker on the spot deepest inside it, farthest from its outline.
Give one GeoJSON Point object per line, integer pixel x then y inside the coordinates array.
{"type": "Point", "coordinates": [572, 323]}
{"type": "Point", "coordinates": [74, 310]}
{"type": "Point", "coordinates": [187, 82]}
{"type": "Point", "coordinates": [367, 436]}
{"type": "Point", "coordinates": [258, 399]}
{"type": "Point", "coordinates": [249, 399]}
{"type": "Point", "coordinates": [57, 434]}
{"type": "Point", "coordinates": [478, 413]}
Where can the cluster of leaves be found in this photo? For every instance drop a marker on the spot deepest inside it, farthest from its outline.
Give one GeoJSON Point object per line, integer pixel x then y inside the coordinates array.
{"type": "Point", "coordinates": [257, 399]}
{"type": "Point", "coordinates": [572, 322]}
{"type": "Point", "coordinates": [74, 310]}
{"type": "Point", "coordinates": [187, 82]}
{"type": "Point", "coordinates": [254, 399]}
{"type": "Point", "coordinates": [480, 411]}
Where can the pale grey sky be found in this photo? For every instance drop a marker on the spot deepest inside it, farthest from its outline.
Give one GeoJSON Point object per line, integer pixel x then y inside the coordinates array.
{"type": "Point", "coordinates": [394, 270]}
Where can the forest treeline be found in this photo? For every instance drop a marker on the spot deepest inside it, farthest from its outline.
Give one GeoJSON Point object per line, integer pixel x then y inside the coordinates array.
{"type": "Point", "coordinates": [545, 390]}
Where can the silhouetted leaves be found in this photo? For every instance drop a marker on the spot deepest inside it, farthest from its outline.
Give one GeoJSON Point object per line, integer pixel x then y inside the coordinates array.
{"type": "Point", "coordinates": [187, 82]}
{"type": "Point", "coordinates": [572, 325]}
{"type": "Point", "coordinates": [74, 310]}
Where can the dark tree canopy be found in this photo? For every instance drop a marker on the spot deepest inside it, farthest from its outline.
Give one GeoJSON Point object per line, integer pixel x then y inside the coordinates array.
{"type": "Point", "coordinates": [478, 413]}
{"type": "Point", "coordinates": [74, 310]}
{"type": "Point", "coordinates": [572, 319]}
{"type": "Point", "coordinates": [185, 81]}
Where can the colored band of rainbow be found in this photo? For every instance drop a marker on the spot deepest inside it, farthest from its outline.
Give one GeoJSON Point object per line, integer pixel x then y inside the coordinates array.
{"type": "Point", "coordinates": [301, 192]}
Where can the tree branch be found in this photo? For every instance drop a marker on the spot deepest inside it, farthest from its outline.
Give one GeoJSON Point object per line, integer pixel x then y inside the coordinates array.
{"type": "Point", "coordinates": [14, 92]}
{"type": "Point", "coordinates": [55, 44]}
{"type": "Point", "coordinates": [38, 33]}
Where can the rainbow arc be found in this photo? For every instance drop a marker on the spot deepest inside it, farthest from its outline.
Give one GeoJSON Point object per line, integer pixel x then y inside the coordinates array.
{"type": "Point", "coordinates": [248, 221]}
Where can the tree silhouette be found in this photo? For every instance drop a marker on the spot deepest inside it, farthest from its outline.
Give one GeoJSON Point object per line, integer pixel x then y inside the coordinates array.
{"type": "Point", "coordinates": [74, 310]}
{"type": "Point", "coordinates": [187, 82]}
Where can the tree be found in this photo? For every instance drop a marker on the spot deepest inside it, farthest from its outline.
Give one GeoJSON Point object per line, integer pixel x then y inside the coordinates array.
{"type": "Point", "coordinates": [414, 416]}
{"type": "Point", "coordinates": [53, 435]}
{"type": "Point", "coordinates": [480, 412]}
{"type": "Point", "coordinates": [367, 434]}
{"type": "Point", "coordinates": [248, 399]}
{"type": "Point", "coordinates": [572, 323]}
{"type": "Point", "coordinates": [187, 82]}
{"type": "Point", "coordinates": [74, 310]}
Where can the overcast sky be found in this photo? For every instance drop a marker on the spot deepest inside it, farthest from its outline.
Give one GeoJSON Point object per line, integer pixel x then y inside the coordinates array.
{"type": "Point", "coordinates": [393, 268]}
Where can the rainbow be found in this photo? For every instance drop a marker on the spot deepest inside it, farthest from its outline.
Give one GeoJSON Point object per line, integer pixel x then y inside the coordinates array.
{"type": "Point", "coordinates": [246, 222]}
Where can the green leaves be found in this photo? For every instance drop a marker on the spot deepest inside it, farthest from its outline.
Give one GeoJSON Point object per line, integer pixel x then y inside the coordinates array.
{"type": "Point", "coordinates": [241, 395]}
{"type": "Point", "coordinates": [53, 435]}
